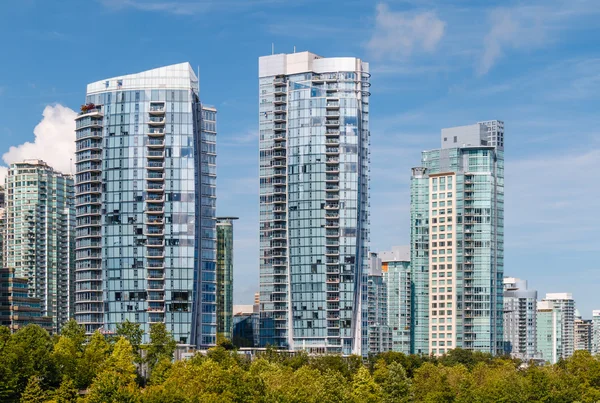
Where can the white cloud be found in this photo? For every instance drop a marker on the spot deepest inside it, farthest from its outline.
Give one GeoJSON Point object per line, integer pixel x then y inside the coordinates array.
{"type": "Point", "coordinates": [184, 7]}
{"type": "Point", "coordinates": [54, 140]}
{"type": "Point", "coordinates": [397, 34]}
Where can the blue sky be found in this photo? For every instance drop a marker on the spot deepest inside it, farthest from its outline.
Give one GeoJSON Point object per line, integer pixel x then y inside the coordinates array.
{"type": "Point", "coordinates": [434, 64]}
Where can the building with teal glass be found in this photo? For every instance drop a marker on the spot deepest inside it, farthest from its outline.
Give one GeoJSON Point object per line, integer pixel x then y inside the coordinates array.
{"type": "Point", "coordinates": [556, 327]}
{"type": "Point", "coordinates": [145, 201]}
{"type": "Point", "coordinates": [314, 202]}
{"type": "Point", "coordinates": [457, 241]}
{"type": "Point", "coordinates": [380, 337]}
{"type": "Point", "coordinates": [397, 277]}
{"type": "Point", "coordinates": [39, 235]}
{"type": "Point", "coordinates": [225, 277]}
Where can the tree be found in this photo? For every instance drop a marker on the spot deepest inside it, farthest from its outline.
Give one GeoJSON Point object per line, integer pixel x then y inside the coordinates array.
{"type": "Point", "coordinates": [133, 333]}
{"type": "Point", "coordinates": [116, 384]}
{"type": "Point", "coordinates": [161, 344]}
{"type": "Point", "coordinates": [75, 332]}
{"type": "Point", "coordinates": [66, 356]}
{"type": "Point", "coordinates": [31, 355]}
{"type": "Point", "coordinates": [364, 388]}
{"type": "Point", "coordinates": [33, 392]}
{"type": "Point", "coordinates": [92, 362]}
{"type": "Point", "coordinates": [66, 393]}
{"type": "Point", "coordinates": [393, 381]}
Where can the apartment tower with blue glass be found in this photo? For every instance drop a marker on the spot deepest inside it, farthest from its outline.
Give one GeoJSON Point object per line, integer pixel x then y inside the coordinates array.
{"type": "Point", "coordinates": [314, 198]}
{"type": "Point", "coordinates": [457, 241]}
{"type": "Point", "coordinates": [145, 203]}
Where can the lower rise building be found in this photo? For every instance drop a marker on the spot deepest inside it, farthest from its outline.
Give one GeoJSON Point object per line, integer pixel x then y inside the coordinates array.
{"type": "Point", "coordinates": [520, 333]}
{"type": "Point", "coordinates": [379, 335]}
{"type": "Point", "coordinates": [397, 276]}
{"type": "Point", "coordinates": [17, 308]}
{"type": "Point", "coordinates": [583, 333]}
{"type": "Point", "coordinates": [555, 326]}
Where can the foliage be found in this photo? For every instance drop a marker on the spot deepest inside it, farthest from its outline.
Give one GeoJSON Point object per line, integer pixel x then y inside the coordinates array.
{"type": "Point", "coordinates": [35, 367]}
{"type": "Point", "coordinates": [134, 334]}
{"type": "Point", "coordinates": [33, 392]}
{"type": "Point", "coordinates": [66, 393]}
{"type": "Point", "coordinates": [162, 345]}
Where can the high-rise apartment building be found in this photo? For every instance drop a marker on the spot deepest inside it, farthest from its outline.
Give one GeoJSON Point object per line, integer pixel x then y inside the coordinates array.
{"type": "Point", "coordinates": [225, 277]}
{"type": "Point", "coordinates": [520, 323]}
{"type": "Point", "coordinates": [397, 276]}
{"type": "Point", "coordinates": [2, 225]}
{"type": "Point", "coordinates": [39, 242]}
{"type": "Point", "coordinates": [457, 241]}
{"type": "Point", "coordinates": [314, 198]}
{"type": "Point", "coordinates": [582, 329]}
{"type": "Point", "coordinates": [146, 196]}
{"type": "Point", "coordinates": [555, 326]}
{"type": "Point", "coordinates": [595, 332]}
{"type": "Point", "coordinates": [380, 337]}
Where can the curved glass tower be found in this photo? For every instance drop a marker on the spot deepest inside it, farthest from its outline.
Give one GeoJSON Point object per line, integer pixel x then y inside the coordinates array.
{"type": "Point", "coordinates": [145, 189]}
{"type": "Point", "coordinates": [314, 179]}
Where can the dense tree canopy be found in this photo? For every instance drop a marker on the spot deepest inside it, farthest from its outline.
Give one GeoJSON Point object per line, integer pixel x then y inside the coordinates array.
{"type": "Point", "coordinates": [70, 368]}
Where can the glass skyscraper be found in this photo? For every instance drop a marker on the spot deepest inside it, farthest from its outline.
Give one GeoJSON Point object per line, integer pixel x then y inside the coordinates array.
{"type": "Point", "coordinates": [39, 242]}
{"type": "Point", "coordinates": [225, 277]}
{"type": "Point", "coordinates": [457, 241]}
{"type": "Point", "coordinates": [145, 200]}
{"type": "Point", "coordinates": [314, 219]}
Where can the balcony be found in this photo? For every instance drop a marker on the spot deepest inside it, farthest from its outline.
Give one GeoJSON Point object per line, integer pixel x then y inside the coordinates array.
{"type": "Point", "coordinates": [332, 179]}
{"type": "Point", "coordinates": [280, 145]}
{"type": "Point", "coordinates": [279, 117]}
{"type": "Point", "coordinates": [155, 243]}
{"type": "Point", "coordinates": [332, 234]}
{"type": "Point", "coordinates": [155, 165]}
{"type": "Point", "coordinates": [155, 187]}
{"type": "Point", "coordinates": [156, 132]}
{"type": "Point", "coordinates": [332, 252]}
{"type": "Point", "coordinates": [332, 105]}
{"type": "Point", "coordinates": [279, 90]}
{"type": "Point", "coordinates": [155, 219]}
{"type": "Point", "coordinates": [155, 155]}
{"type": "Point", "coordinates": [279, 127]}
{"type": "Point", "coordinates": [332, 206]}
{"type": "Point", "coordinates": [332, 151]}
{"type": "Point", "coordinates": [154, 231]}
{"type": "Point", "coordinates": [155, 176]}
{"type": "Point", "coordinates": [279, 155]}
{"type": "Point", "coordinates": [157, 108]}
{"type": "Point", "coordinates": [280, 100]}
{"type": "Point", "coordinates": [332, 161]}
{"type": "Point", "coordinates": [155, 209]}
{"type": "Point", "coordinates": [332, 224]}
{"type": "Point", "coordinates": [155, 254]}
{"type": "Point", "coordinates": [155, 143]}
{"type": "Point", "coordinates": [156, 121]}
{"type": "Point", "coordinates": [155, 198]}
{"type": "Point", "coordinates": [332, 122]}
{"type": "Point", "coordinates": [279, 81]}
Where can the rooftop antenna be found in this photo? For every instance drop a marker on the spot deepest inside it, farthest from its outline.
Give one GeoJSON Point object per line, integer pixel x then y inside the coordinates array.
{"type": "Point", "coordinates": [272, 48]}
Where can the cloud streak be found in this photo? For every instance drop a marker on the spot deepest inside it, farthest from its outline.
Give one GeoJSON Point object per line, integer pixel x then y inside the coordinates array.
{"type": "Point", "coordinates": [398, 35]}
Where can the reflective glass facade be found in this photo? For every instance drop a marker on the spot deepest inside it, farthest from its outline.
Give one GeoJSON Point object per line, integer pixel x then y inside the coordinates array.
{"type": "Point", "coordinates": [458, 222]}
{"type": "Point", "coordinates": [314, 173]}
{"type": "Point", "coordinates": [40, 241]}
{"type": "Point", "coordinates": [146, 196]}
{"type": "Point", "coordinates": [225, 277]}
